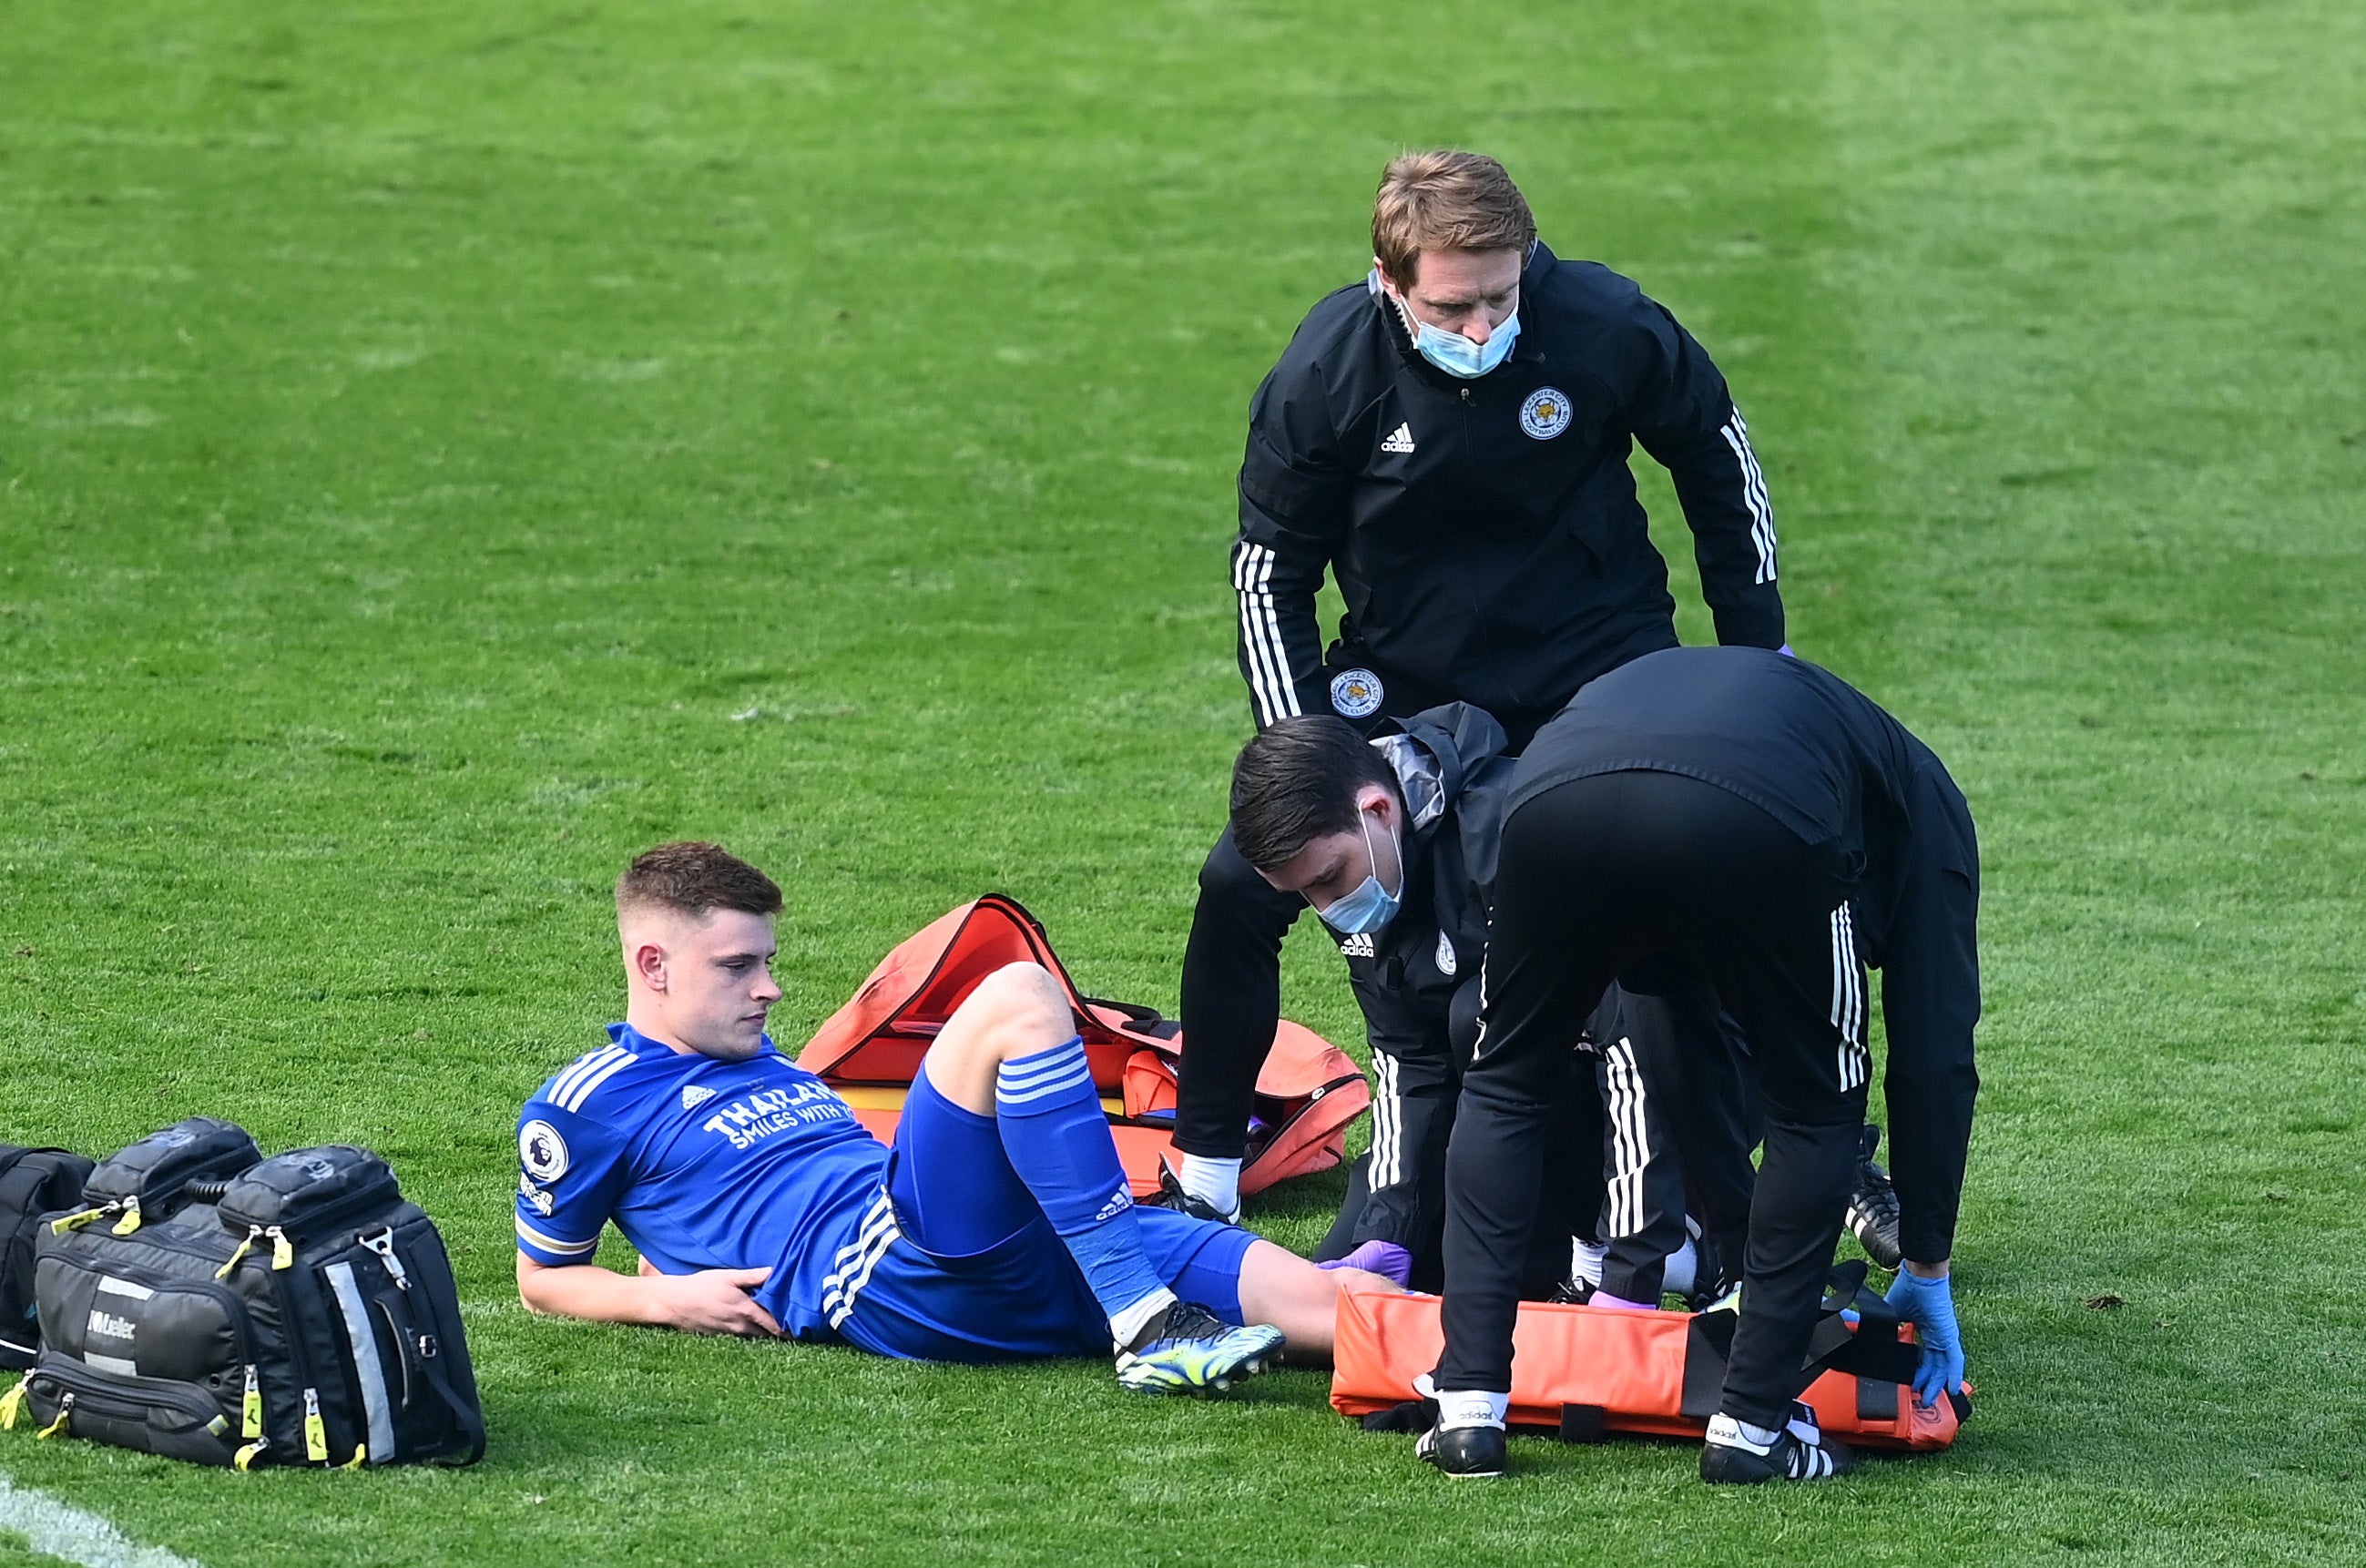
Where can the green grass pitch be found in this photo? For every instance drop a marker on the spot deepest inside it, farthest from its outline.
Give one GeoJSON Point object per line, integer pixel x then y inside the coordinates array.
{"type": "Point", "coordinates": [444, 448]}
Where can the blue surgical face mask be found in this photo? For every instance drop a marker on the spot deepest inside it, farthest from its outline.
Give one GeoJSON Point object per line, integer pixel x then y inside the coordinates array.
{"type": "Point", "coordinates": [1370, 905]}
{"type": "Point", "coordinates": [1458, 356]}
{"type": "Point", "coordinates": [1451, 352]}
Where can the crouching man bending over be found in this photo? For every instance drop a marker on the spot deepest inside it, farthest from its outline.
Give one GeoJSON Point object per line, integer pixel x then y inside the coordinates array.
{"type": "Point", "coordinates": [999, 1225]}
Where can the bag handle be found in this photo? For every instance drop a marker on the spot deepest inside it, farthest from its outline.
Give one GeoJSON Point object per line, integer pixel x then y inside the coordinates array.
{"type": "Point", "coordinates": [423, 1350]}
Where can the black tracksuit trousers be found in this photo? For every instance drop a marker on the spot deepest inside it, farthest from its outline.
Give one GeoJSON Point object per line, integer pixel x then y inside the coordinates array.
{"type": "Point", "coordinates": [1231, 1003]}
{"type": "Point", "coordinates": [1631, 871]}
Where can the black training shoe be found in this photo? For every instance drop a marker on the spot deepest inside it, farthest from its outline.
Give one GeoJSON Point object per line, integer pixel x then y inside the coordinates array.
{"type": "Point", "coordinates": [1728, 1459]}
{"type": "Point", "coordinates": [1171, 1195]}
{"type": "Point", "coordinates": [1873, 1206]}
{"type": "Point", "coordinates": [1467, 1453]}
{"type": "Point", "coordinates": [1573, 1291]}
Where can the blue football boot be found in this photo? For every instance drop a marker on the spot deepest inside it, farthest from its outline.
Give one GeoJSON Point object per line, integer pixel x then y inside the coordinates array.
{"type": "Point", "coordinates": [1191, 1350]}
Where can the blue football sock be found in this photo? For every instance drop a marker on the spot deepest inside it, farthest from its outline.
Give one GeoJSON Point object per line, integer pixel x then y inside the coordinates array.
{"type": "Point", "coordinates": [1058, 1141]}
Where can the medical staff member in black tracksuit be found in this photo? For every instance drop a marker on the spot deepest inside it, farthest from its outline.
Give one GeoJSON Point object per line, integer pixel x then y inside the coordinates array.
{"type": "Point", "coordinates": [1448, 439]}
{"type": "Point", "coordinates": [1761, 821]}
{"type": "Point", "coordinates": [1394, 841]}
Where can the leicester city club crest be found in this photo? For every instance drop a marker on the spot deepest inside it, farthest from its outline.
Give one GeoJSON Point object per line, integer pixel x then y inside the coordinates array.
{"type": "Point", "coordinates": [1546, 413]}
{"type": "Point", "coordinates": [1356, 693]}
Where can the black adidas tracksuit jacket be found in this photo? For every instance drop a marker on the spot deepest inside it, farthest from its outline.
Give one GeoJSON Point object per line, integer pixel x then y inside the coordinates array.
{"type": "Point", "coordinates": [1488, 540]}
{"type": "Point", "coordinates": [1486, 534]}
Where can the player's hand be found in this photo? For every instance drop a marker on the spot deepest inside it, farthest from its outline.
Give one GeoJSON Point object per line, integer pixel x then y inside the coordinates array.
{"type": "Point", "coordinates": [1930, 1306]}
{"type": "Point", "coordinates": [714, 1301]}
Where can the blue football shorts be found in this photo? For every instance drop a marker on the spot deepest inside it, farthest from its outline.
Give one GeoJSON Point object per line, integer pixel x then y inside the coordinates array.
{"type": "Point", "coordinates": [978, 1273]}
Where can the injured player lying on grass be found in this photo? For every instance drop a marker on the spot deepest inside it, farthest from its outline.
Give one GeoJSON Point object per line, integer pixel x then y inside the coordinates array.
{"type": "Point", "coordinates": [999, 1225]}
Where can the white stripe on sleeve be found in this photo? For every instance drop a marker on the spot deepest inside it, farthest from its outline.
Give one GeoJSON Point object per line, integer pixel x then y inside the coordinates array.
{"type": "Point", "coordinates": [1754, 494]}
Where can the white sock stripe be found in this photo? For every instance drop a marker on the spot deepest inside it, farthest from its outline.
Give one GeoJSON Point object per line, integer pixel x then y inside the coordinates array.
{"type": "Point", "coordinates": [1011, 1101]}
{"type": "Point", "coordinates": [1024, 1070]}
{"type": "Point", "coordinates": [583, 1091]}
{"type": "Point", "coordinates": [1261, 674]}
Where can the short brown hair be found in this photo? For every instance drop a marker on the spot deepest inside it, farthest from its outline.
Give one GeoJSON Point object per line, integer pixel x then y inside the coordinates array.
{"type": "Point", "coordinates": [696, 879]}
{"type": "Point", "coordinates": [1296, 781]}
{"type": "Point", "coordinates": [1446, 200]}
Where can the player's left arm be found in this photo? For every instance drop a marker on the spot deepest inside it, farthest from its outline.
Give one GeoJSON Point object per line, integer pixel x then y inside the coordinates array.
{"type": "Point", "coordinates": [574, 1168]}
{"type": "Point", "coordinates": [713, 1301]}
{"type": "Point", "coordinates": [1685, 417]}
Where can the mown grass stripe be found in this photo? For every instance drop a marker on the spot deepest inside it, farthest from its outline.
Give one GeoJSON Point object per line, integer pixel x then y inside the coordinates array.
{"type": "Point", "coordinates": [60, 1529]}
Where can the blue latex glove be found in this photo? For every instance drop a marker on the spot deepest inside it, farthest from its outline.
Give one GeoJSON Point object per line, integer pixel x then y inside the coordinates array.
{"type": "Point", "coordinates": [1930, 1306]}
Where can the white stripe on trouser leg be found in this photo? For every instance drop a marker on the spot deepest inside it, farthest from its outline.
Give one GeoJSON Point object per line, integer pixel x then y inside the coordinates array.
{"type": "Point", "coordinates": [1388, 1125]}
{"type": "Point", "coordinates": [1629, 1150]}
{"type": "Point", "coordinates": [1852, 1062]}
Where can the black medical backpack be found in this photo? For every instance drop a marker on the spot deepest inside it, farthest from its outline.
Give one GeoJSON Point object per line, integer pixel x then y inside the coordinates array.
{"type": "Point", "coordinates": [33, 1182]}
{"type": "Point", "coordinates": [209, 1305]}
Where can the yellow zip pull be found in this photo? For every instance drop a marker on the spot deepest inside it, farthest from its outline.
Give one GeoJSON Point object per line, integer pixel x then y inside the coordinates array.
{"type": "Point", "coordinates": [282, 1251]}
{"type": "Point", "coordinates": [12, 1402]}
{"type": "Point", "coordinates": [243, 1248]}
{"type": "Point", "coordinates": [316, 1431]}
{"type": "Point", "coordinates": [361, 1457]}
{"type": "Point", "coordinates": [251, 1407]}
{"type": "Point", "coordinates": [65, 1223]}
{"type": "Point", "coordinates": [246, 1456]}
{"type": "Point", "coordinates": [130, 1220]}
{"type": "Point", "coordinates": [65, 1408]}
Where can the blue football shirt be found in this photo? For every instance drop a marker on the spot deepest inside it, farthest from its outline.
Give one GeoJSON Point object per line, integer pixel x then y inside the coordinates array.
{"type": "Point", "coordinates": [702, 1164]}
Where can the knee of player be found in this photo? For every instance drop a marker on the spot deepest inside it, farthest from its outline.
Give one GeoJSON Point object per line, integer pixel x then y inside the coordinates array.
{"type": "Point", "coordinates": [1025, 1010]}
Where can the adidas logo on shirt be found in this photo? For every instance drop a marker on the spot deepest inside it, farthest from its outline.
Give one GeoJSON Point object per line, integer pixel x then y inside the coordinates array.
{"type": "Point", "coordinates": [1357, 946]}
{"type": "Point", "coordinates": [695, 1095]}
{"type": "Point", "coordinates": [1399, 440]}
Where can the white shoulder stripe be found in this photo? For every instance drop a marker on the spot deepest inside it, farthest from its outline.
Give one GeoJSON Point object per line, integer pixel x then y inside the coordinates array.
{"type": "Point", "coordinates": [584, 1086]}
{"type": "Point", "coordinates": [589, 1062]}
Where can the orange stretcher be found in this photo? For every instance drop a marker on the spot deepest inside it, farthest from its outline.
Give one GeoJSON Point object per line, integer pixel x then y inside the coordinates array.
{"type": "Point", "coordinates": [870, 1049]}
{"type": "Point", "coordinates": [1588, 1372]}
